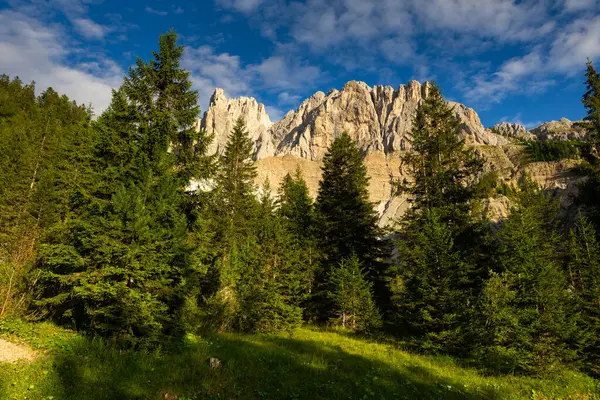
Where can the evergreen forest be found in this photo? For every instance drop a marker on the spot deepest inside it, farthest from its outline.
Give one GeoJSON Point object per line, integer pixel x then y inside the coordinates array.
{"type": "Point", "coordinates": [122, 229]}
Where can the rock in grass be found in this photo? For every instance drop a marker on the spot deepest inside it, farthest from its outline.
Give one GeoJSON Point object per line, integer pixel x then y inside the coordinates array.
{"type": "Point", "coordinates": [214, 363]}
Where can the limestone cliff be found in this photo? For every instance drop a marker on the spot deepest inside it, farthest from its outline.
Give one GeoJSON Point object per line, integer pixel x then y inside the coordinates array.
{"type": "Point", "coordinates": [562, 129]}
{"type": "Point", "coordinates": [378, 118]}
{"type": "Point", "coordinates": [222, 114]}
{"type": "Point", "coordinates": [513, 130]}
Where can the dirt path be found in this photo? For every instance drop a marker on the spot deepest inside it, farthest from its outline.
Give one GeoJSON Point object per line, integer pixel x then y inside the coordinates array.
{"type": "Point", "coordinates": [10, 352]}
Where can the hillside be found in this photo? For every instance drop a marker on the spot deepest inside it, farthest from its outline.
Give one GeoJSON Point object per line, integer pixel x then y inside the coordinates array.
{"type": "Point", "coordinates": [305, 364]}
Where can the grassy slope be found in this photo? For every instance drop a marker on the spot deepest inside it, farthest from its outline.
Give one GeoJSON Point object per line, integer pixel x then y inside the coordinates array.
{"type": "Point", "coordinates": [308, 364]}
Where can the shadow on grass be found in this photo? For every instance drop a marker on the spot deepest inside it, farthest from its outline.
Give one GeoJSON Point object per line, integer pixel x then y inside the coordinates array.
{"type": "Point", "coordinates": [253, 367]}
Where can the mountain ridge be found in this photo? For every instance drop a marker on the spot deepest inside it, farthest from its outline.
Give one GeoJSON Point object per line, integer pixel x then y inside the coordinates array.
{"type": "Point", "coordinates": [378, 118]}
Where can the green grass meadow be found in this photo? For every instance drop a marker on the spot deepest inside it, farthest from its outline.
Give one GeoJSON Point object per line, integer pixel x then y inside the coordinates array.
{"type": "Point", "coordinates": [304, 364]}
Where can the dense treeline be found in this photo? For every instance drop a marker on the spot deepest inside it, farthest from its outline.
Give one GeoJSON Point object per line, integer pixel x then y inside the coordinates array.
{"type": "Point", "coordinates": [125, 227]}
{"type": "Point", "coordinates": [549, 150]}
{"type": "Point", "coordinates": [42, 141]}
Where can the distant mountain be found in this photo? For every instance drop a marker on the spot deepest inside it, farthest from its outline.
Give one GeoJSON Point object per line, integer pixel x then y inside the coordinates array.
{"type": "Point", "coordinates": [562, 129]}
{"type": "Point", "coordinates": [379, 119]}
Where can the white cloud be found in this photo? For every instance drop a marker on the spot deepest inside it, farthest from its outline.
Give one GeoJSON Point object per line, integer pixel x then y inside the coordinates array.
{"type": "Point", "coordinates": [579, 5]}
{"type": "Point", "coordinates": [89, 29]}
{"type": "Point", "coordinates": [574, 44]}
{"type": "Point", "coordinates": [564, 55]}
{"type": "Point", "coordinates": [244, 6]}
{"type": "Point", "coordinates": [35, 51]}
{"type": "Point", "coordinates": [288, 98]}
{"type": "Point", "coordinates": [518, 75]}
{"type": "Point", "coordinates": [210, 70]}
{"type": "Point", "coordinates": [554, 36]}
{"type": "Point", "coordinates": [322, 24]}
{"type": "Point", "coordinates": [501, 19]}
{"type": "Point", "coordinates": [279, 72]}
{"type": "Point", "coordinates": [151, 10]}
{"type": "Point", "coordinates": [517, 119]}
{"type": "Point", "coordinates": [399, 50]}
{"type": "Point", "coordinates": [275, 113]}
{"type": "Point", "coordinates": [275, 74]}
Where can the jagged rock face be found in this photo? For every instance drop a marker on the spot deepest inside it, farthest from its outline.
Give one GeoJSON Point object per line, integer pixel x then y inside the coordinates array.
{"type": "Point", "coordinates": [379, 119]}
{"type": "Point", "coordinates": [560, 130]}
{"type": "Point", "coordinates": [513, 130]}
{"type": "Point", "coordinates": [222, 114]}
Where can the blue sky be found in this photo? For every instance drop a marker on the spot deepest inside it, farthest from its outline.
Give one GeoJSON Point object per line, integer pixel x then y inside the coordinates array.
{"type": "Point", "coordinates": [512, 60]}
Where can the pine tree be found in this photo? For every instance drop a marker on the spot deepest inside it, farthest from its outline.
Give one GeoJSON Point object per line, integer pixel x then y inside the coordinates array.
{"type": "Point", "coordinates": [433, 286]}
{"type": "Point", "coordinates": [530, 319]}
{"type": "Point", "coordinates": [590, 189]}
{"type": "Point", "coordinates": [352, 297]}
{"type": "Point", "coordinates": [347, 221]}
{"type": "Point", "coordinates": [591, 101]}
{"type": "Point", "coordinates": [42, 142]}
{"type": "Point", "coordinates": [235, 207]}
{"type": "Point", "coordinates": [441, 166]}
{"type": "Point", "coordinates": [296, 206]}
{"type": "Point", "coordinates": [583, 267]}
{"type": "Point", "coordinates": [437, 279]}
{"type": "Point", "coordinates": [296, 209]}
{"type": "Point", "coordinates": [271, 275]}
{"type": "Point", "coordinates": [120, 263]}
{"type": "Point", "coordinates": [235, 184]}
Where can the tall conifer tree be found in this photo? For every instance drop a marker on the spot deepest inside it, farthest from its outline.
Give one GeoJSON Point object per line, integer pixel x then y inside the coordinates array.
{"type": "Point", "coordinates": [530, 319]}
{"type": "Point", "coordinates": [440, 164]}
{"type": "Point", "coordinates": [346, 219]}
{"type": "Point", "coordinates": [583, 271]}
{"type": "Point", "coordinates": [235, 208]}
{"type": "Point", "coordinates": [296, 209]}
{"type": "Point", "coordinates": [271, 273]}
{"type": "Point", "coordinates": [352, 297]}
{"type": "Point", "coordinates": [120, 263]}
{"type": "Point", "coordinates": [591, 101]}
{"type": "Point", "coordinates": [435, 283]}
{"type": "Point", "coordinates": [44, 143]}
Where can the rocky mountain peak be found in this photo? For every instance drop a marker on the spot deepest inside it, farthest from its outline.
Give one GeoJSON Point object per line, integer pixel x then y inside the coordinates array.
{"type": "Point", "coordinates": [223, 112]}
{"type": "Point", "coordinates": [378, 118]}
{"type": "Point", "coordinates": [513, 130]}
{"type": "Point", "coordinates": [562, 129]}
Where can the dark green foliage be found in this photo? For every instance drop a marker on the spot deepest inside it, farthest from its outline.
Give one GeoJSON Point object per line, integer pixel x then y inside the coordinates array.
{"type": "Point", "coordinates": [234, 210]}
{"type": "Point", "coordinates": [120, 263]}
{"type": "Point", "coordinates": [296, 209]}
{"type": "Point", "coordinates": [296, 206]}
{"type": "Point", "coordinates": [490, 185]}
{"type": "Point", "coordinates": [259, 278]}
{"type": "Point", "coordinates": [347, 221]}
{"type": "Point", "coordinates": [438, 274]}
{"type": "Point", "coordinates": [591, 101]}
{"type": "Point", "coordinates": [440, 164]}
{"type": "Point", "coordinates": [529, 315]}
{"type": "Point", "coordinates": [554, 150]}
{"type": "Point", "coordinates": [346, 224]}
{"type": "Point", "coordinates": [235, 190]}
{"type": "Point", "coordinates": [42, 147]}
{"type": "Point", "coordinates": [583, 267]}
{"type": "Point", "coordinates": [272, 275]}
{"type": "Point", "coordinates": [434, 286]}
{"type": "Point", "coordinates": [352, 297]}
